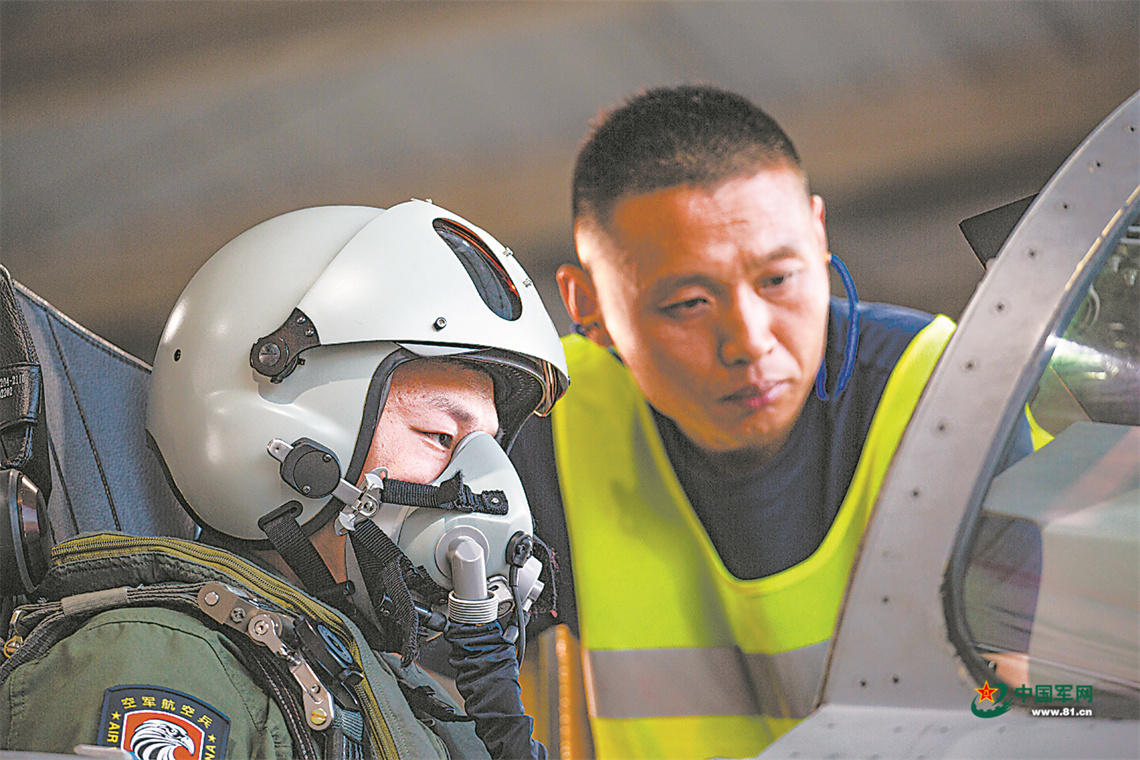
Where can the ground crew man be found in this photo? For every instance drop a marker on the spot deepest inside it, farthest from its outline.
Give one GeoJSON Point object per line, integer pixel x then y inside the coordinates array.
{"type": "Point", "coordinates": [728, 429]}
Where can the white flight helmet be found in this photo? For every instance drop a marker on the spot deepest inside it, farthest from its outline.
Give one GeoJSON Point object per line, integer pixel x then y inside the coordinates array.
{"type": "Point", "coordinates": [292, 331]}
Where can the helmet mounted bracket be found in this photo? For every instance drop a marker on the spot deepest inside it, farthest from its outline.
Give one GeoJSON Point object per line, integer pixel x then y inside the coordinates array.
{"type": "Point", "coordinates": [277, 354]}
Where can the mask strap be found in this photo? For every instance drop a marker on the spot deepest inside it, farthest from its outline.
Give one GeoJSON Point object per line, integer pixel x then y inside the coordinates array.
{"type": "Point", "coordinates": [451, 494]}
{"type": "Point", "coordinates": [852, 346]}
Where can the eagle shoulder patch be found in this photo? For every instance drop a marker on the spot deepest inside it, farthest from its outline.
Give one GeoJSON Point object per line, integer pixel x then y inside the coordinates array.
{"type": "Point", "coordinates": [161, 724]}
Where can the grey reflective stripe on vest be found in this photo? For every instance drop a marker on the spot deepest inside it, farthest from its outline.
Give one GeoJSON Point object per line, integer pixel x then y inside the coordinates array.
{"type": "Point", "coordinates": [655, 683]}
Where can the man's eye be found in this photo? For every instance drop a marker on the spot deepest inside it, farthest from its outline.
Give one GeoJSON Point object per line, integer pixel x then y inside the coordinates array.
{"type": "Point", "coordinates": [442, 439]}
{"type": "Point", "coordinates": [678, 308]}
{"type": "Point", "coordinates": [776, 280]}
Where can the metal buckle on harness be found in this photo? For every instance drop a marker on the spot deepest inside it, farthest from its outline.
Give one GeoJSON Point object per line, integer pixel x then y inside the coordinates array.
{"type": "Point", "coordinates": [15, 639]}
{"type": "Point", "coordinates": [365, 505]}
{"type": "Point", "coordinates": [233, 609]}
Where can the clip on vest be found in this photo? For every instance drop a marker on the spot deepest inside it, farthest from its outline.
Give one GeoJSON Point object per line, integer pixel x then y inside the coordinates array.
{"type": "Point", "coordinates": [232, 609]}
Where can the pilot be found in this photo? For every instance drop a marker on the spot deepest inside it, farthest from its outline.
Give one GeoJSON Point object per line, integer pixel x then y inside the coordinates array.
{"type": "Point", "coordinates": [332, 399]}
{"type": "Point", "coordinates": [727, 433]}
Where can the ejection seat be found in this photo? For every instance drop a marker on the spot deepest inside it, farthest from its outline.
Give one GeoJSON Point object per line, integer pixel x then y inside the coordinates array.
{"type": "Point", "coordinates": [72, 428]}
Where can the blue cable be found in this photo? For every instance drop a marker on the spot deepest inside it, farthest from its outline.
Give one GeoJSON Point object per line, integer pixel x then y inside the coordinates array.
{"type": "Point", "coordinates": [852, 346]}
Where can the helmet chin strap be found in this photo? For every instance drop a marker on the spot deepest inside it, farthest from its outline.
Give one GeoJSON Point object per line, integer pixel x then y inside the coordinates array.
{"type": "Point", "coordinates": [382, 564]}
{"type": "Point", "coordinates": [852, 346]}
{"type": "Point", "coordinates": [298, 552]}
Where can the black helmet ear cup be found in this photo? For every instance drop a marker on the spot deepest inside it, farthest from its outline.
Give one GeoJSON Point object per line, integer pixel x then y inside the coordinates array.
{"type": "Point", "coordinates": [25, 472]}
{"type": "Point", "coordinates": [25, 535]}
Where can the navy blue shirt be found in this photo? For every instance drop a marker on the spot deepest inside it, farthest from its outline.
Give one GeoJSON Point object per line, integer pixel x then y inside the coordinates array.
{"type": "Point", "coordinates": [775, 516]}
{"type": "Point", "coordinates": [769, 519]}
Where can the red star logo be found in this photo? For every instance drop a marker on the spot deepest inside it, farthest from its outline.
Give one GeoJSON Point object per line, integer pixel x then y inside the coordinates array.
{"type": "Point", "coordinates": [986, 693]}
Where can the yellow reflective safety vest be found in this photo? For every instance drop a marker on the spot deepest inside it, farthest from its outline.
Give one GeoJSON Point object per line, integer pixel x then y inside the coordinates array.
{"type": "Point", "coordinates": [681, 658]}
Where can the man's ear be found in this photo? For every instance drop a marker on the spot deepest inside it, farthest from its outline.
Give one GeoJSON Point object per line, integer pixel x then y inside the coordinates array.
{"type": "Point", "coordinates": [819, 220]}
{"type": "Point", "coordinates": [581, 301]}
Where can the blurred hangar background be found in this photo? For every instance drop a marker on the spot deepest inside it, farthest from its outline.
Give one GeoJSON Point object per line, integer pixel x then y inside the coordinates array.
{"type": "Point", "coordinates": [136, 138]}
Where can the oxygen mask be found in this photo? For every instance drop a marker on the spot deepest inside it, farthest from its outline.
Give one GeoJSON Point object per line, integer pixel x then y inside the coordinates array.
{"type": "Point", "coordinates": [478, 546]}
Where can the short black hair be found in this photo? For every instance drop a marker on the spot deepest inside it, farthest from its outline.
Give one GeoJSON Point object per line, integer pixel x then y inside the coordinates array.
{"type": "Point", "coordinates": [694, 135]}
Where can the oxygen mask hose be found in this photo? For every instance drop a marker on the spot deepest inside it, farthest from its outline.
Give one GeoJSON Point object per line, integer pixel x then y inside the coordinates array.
{"type": "Point", "coordinates": [484, 657]}
{"type": "Point", "coordinates": [468, 602]}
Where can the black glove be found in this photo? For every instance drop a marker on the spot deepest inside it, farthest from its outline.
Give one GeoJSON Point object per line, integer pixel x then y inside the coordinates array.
{"type": "Point", "coordinates": [487, 676]}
